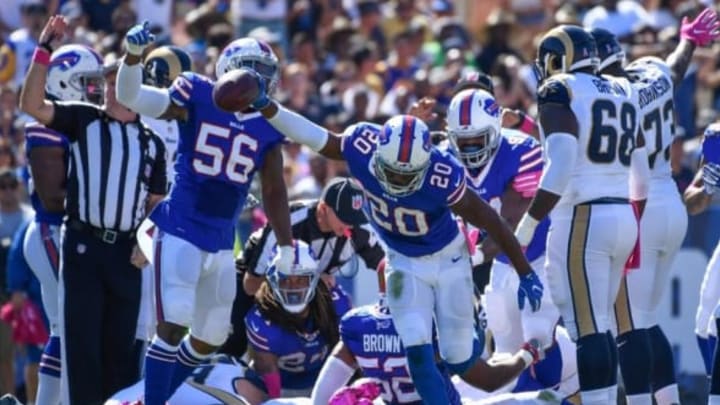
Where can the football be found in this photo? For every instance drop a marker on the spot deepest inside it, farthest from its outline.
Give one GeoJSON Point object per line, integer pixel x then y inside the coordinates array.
{"type": "Point", "coordinates": [235, 90]}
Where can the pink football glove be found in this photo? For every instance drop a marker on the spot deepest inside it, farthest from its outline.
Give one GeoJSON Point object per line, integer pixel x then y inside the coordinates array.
{"type": "Point", "coordinates": [703, 29]}
{"type": "Point", "coordinates": [362, 392]}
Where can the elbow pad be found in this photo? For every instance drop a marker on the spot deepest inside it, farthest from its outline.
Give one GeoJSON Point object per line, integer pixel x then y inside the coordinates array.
{"type": "Point", "coordinates": [131, 93]}
{"type": "Point", "coordinates": [560, 155]}
{"type": "Point", "coordinates": [639, 174]}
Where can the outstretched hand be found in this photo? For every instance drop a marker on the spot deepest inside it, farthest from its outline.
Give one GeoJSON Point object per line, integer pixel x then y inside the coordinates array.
{"type": "Point", "coordinates": [54, 31]}
{"type": "Point", "coordinates": [703, 29]}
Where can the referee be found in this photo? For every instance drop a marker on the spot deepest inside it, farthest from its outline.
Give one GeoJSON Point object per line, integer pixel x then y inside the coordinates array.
{"type": "Point", "coordinates": [333, 226]}
{"type": "Point", "coordinates": [116, 174]}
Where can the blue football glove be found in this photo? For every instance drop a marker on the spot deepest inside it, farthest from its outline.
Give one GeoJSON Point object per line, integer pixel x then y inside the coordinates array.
{"type": "Point", "coordinates": [138, 38]}
{"type": "Point", "coordinates": [711, 177]}
{"type": "Point", "coordinates": [532, 289]}
{"type": "Point", "coordinates": [262, 100]}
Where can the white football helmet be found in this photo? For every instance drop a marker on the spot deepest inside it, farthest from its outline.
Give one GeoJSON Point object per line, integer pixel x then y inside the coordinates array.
{"type": "Point", "coordinates": [252, 54]}
{"type": "Point", "coordinates": [294, 290]}
{"type": "Point", "coordinates": [473, 126]}
{"type": "Point", "coordinates": [75, 74]}
{"type": "Point", "coordinates": [402, 156]}
{"type": "Point", "coordinates": [641, 67]}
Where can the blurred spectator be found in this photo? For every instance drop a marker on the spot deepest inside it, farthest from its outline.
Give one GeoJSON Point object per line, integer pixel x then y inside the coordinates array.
{"type": "Point", "coordinates": [365, 57]}
{"type": "Point", "coordinates": [123, 17]}
{"type": "Point", "coordinates": [100, 13]}
{"type": "Point", "coordinates": [360, 104]}
{"type": "Point", "coordinates": [158, 12]}
{"type": "Point", "coordinates": [311, 186]}
{"type": "Point", "coordinates": [401, 61]}
{"type": "Point", "coordinates": [305, 51]}
{"type": "Point", "coordinates": [398, 100]}
{"type": "Point", "coordinates": [298, 92]}
{"type": "Point", "coordinates": [338, 43]}
{"type": "Point", "coordinates": [662, 13]}
{"type": "Point", "coordinates": [510, 90]}
{"type": "Point", "coordinates": [368, 25]}
{"type": "Point", "coordinates": [500, 24]}
{"type": "Point", "coordinates": [617, 16]}
{"type": "Point", "coordinates": [8, 111]}
{"type": "Point", "coordinates": [22, 41]}
{"type": "Point", "coordinates": [331, 91]}
{"type": "Point", "coordinates": [399, 21]}
{"type": "Point", "coordinates": [77, 25]}
{"type": "Point", "coordinates": [250, 14]}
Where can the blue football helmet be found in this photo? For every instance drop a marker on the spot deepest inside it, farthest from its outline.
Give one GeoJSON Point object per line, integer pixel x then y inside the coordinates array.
{"type": "Point", "coordinates": [609, 49]}
{"type": "Point", "coordinates": [565, 49]}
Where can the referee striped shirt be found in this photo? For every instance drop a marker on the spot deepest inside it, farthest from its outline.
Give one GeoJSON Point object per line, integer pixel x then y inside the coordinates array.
{"type": "Point", "coordinates": [113, 166]}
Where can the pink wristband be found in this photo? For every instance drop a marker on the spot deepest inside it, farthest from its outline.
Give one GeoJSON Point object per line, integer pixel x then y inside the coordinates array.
{"type": "Point", "coordinates": [41, 56]}
{"type": "Point", "coordinates": [273, 384]}
{"type": "Point", "coordinates": [528, 124]}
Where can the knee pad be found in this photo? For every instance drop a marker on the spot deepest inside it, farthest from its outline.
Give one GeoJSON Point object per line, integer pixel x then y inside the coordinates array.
{"type": "Point", "coordinates": [462, 366]}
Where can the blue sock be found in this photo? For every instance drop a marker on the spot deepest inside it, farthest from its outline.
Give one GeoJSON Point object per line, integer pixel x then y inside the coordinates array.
{"type": "Point", "coordinates": [50, 360]}
{"type": "Point", "coordinates": [612, 346]}
{"type": "Point", "coordinates": [715, 375]}
{"type": "Point", "coordinates": [548, 372]}
{"type": "Point", "coordinates": [159, 367]}
{"type": "Point", "coordinates": [594, 362]}
{"type": "Point", "coordinates": [187, 360]}
{"type": "Point", "coordinates": [636, 361]}
{"type": "Point", "coordinates": [663, 371]}
{"type": "Point", "coordinates": [425, 374]}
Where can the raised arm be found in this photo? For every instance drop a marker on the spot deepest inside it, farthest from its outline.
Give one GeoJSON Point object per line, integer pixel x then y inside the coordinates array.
{"type": "Point", "coordinates": [143, 99]}
{"type": "Point", "coordinates": [335, 373]}
{"type": "Point", "coordinates": [704, 29]}
{"type": "Point", "coordinates": [32, 97]}
{"type": "Point", "coordinates": [274, 196]}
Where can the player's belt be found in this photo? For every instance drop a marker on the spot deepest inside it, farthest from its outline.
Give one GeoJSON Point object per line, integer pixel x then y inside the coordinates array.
{"type": "Point", "coordinates": [607, 200]}
{"type": "Point", "coordinates": [106, 235]}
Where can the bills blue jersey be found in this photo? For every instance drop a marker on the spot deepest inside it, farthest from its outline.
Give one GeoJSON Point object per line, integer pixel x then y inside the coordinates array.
{"type": "Point", "coordinates": [420, 223]}
{"type": "Point", "coordinates": [218, 154]}
{"type": "Point", "coordinates": [370, 335]}
{"type": "Point", "coordinates": [37, 135]}
{"type": "Point", "coordinates": [300, 355]}
{"type": "Point", "coordinates": [516, 164]}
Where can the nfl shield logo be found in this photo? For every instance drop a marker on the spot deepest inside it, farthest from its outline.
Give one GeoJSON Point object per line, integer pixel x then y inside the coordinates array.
{"type": "Point", "coordinates": [357, 202]}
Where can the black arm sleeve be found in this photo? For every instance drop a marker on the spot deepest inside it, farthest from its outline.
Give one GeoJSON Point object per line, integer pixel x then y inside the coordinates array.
{"type": "Point", "coordinates": [71, 117]}
{"type": "Point", "coordinates": [367, 247]}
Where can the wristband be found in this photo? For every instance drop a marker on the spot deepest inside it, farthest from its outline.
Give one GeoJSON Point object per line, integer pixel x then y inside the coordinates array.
{"type": "Point", "coordinates": [527, 357]}
{"type": "Point", "coordinates": [528, 124]}
{"type": "Point", "coordinates": [46, 46]}
{"type": "Point", "coordinates": [41, 56]}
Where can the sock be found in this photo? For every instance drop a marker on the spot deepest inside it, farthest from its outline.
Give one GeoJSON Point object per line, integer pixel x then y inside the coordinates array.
{"type": "Point", "coordinates": [612, 346]}
{"type": "Point", "coordinates": [595, 367]}
{"type": "Point", "coordinates": [548, 372]}
{"type": "Point", "coordinates": [598, 396]}
{"type": "Point", "coordinates": [159, 367]}
{"type": "Point", "coordinates": [639, 399]}
{"type": "Point", "coordinates": [48, 391]}
{"type": "Point", "coordinates": [714, 400]}
{"type": "Point", "coordinates": [425, 374]}
{"type": "Point", "coordinates": [668, 395]}
{"type": "Point", "coordinates": [636, 363]}
{"type": "Point", "coordinates": [715, 375]}
{"type": "Point", "coordinates": [663, 370]}
{"type": "Point", "coordinates": [705, 353]}
{"type": "Point", "coordinates": [187, 360]}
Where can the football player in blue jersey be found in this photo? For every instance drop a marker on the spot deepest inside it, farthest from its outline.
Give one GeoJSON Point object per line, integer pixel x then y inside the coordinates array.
{"type": "Point", "coordinates": [193, 228]}
{"type": "Point", "coordinates": [47, 151]}
{"type": "Point", "coordinates": [293, 325]}
{"type": "Point", "coordinates": [413, 190]}
{"type": "Point", "coordinates": [370, 342]}
{"type": "Point", "coordinates": [503, 167]}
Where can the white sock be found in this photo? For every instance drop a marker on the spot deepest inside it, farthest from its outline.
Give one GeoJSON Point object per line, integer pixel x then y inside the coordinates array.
{"type": "Point", "coordinates": [639, 399]}
{"type": "Point", "coordinates": [597, 397]}
{"type": "Point", "coordinates": [668, 395]}
{"type": "Point", "coordinates": [714, 400]}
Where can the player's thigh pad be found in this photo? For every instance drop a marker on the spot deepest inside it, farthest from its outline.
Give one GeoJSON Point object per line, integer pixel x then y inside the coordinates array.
{"type": "Point", "coordinates": [709, 294]}
{"type": "Point", "coordinates": [41, 249]}
{"type": "Point", "coordinates": [410, 299]}
{"type": "Point", "coordinates": [177, 267]}
{"type": "Point", "coordinates": [585, 245]}
{"type": "Point", "coordinates": [454, 309]}
{"type": "Point", "coordinates": [214, 299]}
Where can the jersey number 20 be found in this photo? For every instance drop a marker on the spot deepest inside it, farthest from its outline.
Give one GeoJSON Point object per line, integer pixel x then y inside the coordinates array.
{"type": "Point", "coordinates": [235, 165]}
{"type": "Point", "coordinates": [612, 133]}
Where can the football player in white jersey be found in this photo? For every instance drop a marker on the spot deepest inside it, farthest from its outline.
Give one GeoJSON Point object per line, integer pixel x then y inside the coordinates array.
{"type": "Point", "coordinates": [698, 197]}
{"type": "Point", "coordinates": [645, 354]}
{"type": "Point", "coordinates": [595, 163]}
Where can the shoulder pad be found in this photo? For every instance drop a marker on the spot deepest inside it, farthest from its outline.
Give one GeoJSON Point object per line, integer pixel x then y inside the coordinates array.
{"type": "Point", "coordinates": [555, 90]}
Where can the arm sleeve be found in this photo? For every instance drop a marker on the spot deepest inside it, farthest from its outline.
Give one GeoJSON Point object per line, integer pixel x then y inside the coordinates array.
{"type": "Point", "coordinates": [69, 118]}
{"type": "Point", "coordinates": [560, 153]}
{"type": "Point", "coordinates": [333, 376]}
{"type": "Point", "coordinates": [639, 174]}
{"type": "Point", "coordinates": [145, 100]}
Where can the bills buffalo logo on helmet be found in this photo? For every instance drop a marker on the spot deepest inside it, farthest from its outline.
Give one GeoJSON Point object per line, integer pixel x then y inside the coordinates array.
{"type": "Point", "coordinates": [491, 107]}
{"type": "Point", "coordinates": [65, 61]}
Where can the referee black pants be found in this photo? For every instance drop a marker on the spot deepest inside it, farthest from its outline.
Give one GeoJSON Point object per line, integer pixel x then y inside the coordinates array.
{"type": "Point", "coordinates": [101, 303]}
